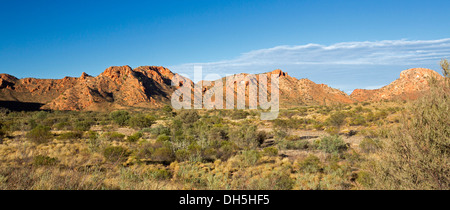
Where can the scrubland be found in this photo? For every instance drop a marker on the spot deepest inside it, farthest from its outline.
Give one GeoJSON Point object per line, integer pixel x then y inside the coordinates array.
{"type": "Point", "coordinates": [310, 147]}
{"type": "Point", "coordinates": [383, 145]}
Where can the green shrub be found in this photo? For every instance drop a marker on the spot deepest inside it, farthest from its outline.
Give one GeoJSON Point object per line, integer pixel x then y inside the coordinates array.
{"type": "Point", "coordinates": [358, 120]}
{"type": "Point", "coordinates": [70, 135]}
{"type": "Point", "coordinates": [2, 131]}
{"type": "Point", "coordinates": [114, 136]}
{"type": "Point", "coordinates": [158, 130]}
{"type": "Point", "coordinates": [40, 134]}
{"type": "Point", "coordinates": [120, 117]}
{"type": "Point", "coordinates": [318, 126]}
{"type": "Point", "coordinates": [93, 142]}
{"type": "Point", "coordinates": [250, 157]}
{"type": "Point", "coordinates": [42, 160]}
{"type": "Point", "coordinates": [217, 134]}
{"type": "Point", "coordinates": [163, 138]}
{"type": "Point", "coordinates": [167, 109]}
{"type": "Point", "coordinates": [182, 155]}
{"type": "Point", "coordinates": [83, 125]}
{"type": "Point", "coordinates": [116, 153]}
{"type": "Point", "coordinates": [135, 137]}
{"type": "Point", "coordinates": [63, 126]}
{"type": "Point", "coordinates": [141, 121]}
{"type": "Point", "coordinates": [246, 136]}
{"type": "Point", "coordinates": [332, 144]}
{"type": "Point", "coordinates": [311, 164]}
{"type": "Point", "coordinates": [416, 155]}
{"type": "Point", "coordinates": [226, 150]}
{"type": "Point", "coordinates": [188, 117]}
{"type": "Point", "coordinates": [160, 174]}
{"type": "Point", "coordinates": [41, 115]}
{"type": "Point", "coordinates": [370, 145]}
{"type": "Point", "coordinates": [270, 151]}
{"type": "Point", "coordinates": [239, 114]}
{"type": "Point", "coordinates": [280, 134]}
{"type": "Point", "coordinates": [337, 119]}
{"type": "Point", "coordinates": [365, 180]}
{"type": "Point", "coordinates": [293, 145]}
{"type": "Point", "coordinates": [145, 151]}
{"type": "Point", "coordinates": [163, 154]}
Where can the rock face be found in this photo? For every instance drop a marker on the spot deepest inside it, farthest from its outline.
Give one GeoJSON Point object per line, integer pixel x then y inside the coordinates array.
{"type": "Point", "coordinates": [293, 92]}
{"type": "Point", "coordinates": [411, 84]}
{"type": "Point", "coordinates": [116, 87]}
{"type": "Point", "coordinates": [305, 92]}
{"type": "Point", "coordinates": [150, 87]}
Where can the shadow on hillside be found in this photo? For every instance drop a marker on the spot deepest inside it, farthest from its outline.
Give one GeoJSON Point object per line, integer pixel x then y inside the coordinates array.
{"type": "Point", "coordinates": [20, 106]}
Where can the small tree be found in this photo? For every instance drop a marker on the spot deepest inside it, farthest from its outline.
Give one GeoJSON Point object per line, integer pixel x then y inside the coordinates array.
{"type": "Point", "coordinates": [40, 134]}
{"type": "Point", "coordinates": [332, 144]}
{"type": "Point", "coordinates": [417, 154]}
{"type": "Point", "coordinates": [337, 119]}
{"type": "Point", "coordinates": [141, 121]}
{"type": "Point", "coordinates": [120, 117]}
{"type": "Point", "coordinates": [116, 153]}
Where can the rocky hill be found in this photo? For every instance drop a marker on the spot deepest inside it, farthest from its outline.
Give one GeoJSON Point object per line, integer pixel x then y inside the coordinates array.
{"type": "Point", "coordinates": [411, 84]}
{"type": "Point", "coordinates": [117, 87]}
{"type": "Point", "coordinates": [120, 87]}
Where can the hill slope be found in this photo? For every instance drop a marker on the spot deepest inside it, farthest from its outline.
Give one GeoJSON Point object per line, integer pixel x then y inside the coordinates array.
{"type": "Point", "coordinates": [121, 87]}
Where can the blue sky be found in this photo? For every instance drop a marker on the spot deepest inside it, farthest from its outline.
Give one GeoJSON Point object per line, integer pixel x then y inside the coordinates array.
{"type": "Point", "coordinates": [347, 44]}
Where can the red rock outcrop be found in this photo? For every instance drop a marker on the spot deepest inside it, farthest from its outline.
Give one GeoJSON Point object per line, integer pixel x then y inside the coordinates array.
{"type": "Point", "coordinates": [151, 86]}
{"type": "Point", "coordinates": [116, 87]}
{"type": "Point", "coordinates": [293, 92]}
{"type": "Point", "coordinates": [411, 84]}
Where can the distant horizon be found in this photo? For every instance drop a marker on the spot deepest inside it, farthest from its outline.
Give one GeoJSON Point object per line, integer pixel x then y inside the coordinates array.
{"type": "Point", "coordinates": [189, 77]}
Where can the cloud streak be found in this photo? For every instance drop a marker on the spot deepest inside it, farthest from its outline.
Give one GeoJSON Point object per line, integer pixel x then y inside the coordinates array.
{"type": "Point", "coordinates": [342, 64]}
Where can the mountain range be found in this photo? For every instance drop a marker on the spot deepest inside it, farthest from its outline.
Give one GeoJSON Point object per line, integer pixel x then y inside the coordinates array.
{"type": "Point", "coordinates": [122, 87]}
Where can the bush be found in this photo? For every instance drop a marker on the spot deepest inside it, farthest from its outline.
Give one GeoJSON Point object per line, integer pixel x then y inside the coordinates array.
{"type": "Point", "coordinates": [250, 157]}
{"type": "Point", "coordinates": [365, 180]}
{"type": "Point", "coordinates": [83, 125]}
{"type": "Point", "coordinates": [226, 151]}
{"type": "Point", "coordinates": [135, 137]}
{"type": "Point", "coordinates": [116, 153]}
{"type": "Point", "coordinates": [42, 160]}
{"type": "Point", "coordinates": [160, 174]}
{"type": "Point", "coordinates": [2, 132]}
{"type": "Point", "coordinates": [217, 134]}
{"type": "Point", "coordinates": [158, 130]}
{"type": "Point", "coordinates": [63, 126]}
{"type": "Point", "coordinates": [93, 142]}
{"type": "Point", "coordinates": [416, 155]}
{"type": "Point", "coordinates": [358, 120]}
{"type": "Point", "coordinates": [337, 119]}
{"type": "Point", "coordinates": [40, 134]}
{"type": "Point", "coordinates": [145, 151]}
{"type": "Point", "coordinates": [182, 155]}
{"type": "Point", "coordinates": [70, 135]}
{"type": "Point", "coordinates": [293, 145]}
{"type": "Point", "coordinates": [163, 154]}
{"type": "Point", "coordinates": [370, 145]}
{"type": "Point", "coordinates": [120, 117]}
{"type": "Point", "coordinates": [270, 151]}
{"type": "Point", "coordinates": [141, 121]}
{"type": "Point", "coordinates": [188, 117]}
{"type": "Point", "coordinates": [246, 136]}
{"type": "Point", "coordinates": [114, 136]}
{"type": "Point", "coordinates": [168, 110]}
{"type": "Point", "coordinates": [332, 144]}
{"type": "Point", "coordinates": [239, 114]}
{"type": "Point", "coordinates": [311, 164]}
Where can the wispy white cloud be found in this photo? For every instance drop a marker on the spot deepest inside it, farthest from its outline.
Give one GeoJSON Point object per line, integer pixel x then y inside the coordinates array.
{"type": "Point", "coordinates": [332, 64]}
